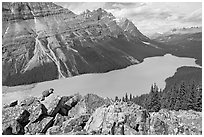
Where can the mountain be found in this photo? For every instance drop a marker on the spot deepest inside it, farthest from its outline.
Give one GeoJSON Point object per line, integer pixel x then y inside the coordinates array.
{"type": "Point", "coordinates": [184, 42]}
{"type": "Point", "coordinates": [130, 28]}
{"type": "Point", "coordinates": [43, 41]}
{"type": "Point", "coordinates": [176, 31]}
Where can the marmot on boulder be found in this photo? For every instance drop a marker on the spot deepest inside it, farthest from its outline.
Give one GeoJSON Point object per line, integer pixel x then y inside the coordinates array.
{"type": "Point", "coordinates": [46, 93]}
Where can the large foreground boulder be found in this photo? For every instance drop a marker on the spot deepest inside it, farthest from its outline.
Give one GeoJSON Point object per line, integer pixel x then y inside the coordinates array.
{"type": "Point", "coordinates": [28, 101]}
{"type": "Point", "coordinates": [87, 105]}
{"type": "Point", "coordinates": [60, 104]}
{"type": "Point", "coordinates": [176, 122]}
{"type": "Point", "coordinates": [116, 119]}
{"type": "Point", "coordinates": [75, 124]}
{"type": "Point", "coordinates": [15, 118]}
{"type": "Point", "coordinates": [34, 128]}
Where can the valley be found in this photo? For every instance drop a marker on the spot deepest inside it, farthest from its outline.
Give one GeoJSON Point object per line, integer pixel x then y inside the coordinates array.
{"type": "Point", "coordinates": [41, 45]}
{"type": "Point", "coordinates": [93, 72]}
{"type": "Point", "coordinates": [135, 79]}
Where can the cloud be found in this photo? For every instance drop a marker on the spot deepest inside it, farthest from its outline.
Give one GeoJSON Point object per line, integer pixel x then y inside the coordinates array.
{"type": "Point", "coordinates": [79, 7]}
{"type": "Point", "coordinates": [148, 17]}
{"type": "Point", "coordinates": [120, 5]}
{"type": "Point", "coordinates": [158, 17]}
{"type": "Point", "coordinates": [195, 16]}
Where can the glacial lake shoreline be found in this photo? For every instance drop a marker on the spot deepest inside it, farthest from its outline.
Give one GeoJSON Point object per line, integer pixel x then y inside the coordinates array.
{"type": "Point", "coordinates": [135, 79]}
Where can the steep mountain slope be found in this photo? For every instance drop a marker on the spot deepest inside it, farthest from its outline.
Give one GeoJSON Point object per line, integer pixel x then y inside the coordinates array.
{"type": "Point", "coordinates": [185, 42]}
{"type": "Point", "coordinates": [43, 41]}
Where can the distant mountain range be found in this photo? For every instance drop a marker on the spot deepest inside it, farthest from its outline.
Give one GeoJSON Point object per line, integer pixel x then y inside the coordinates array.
{"type": "Point", "coordinates": [43, 41]}
{"type": "Point", "coordinates": [185, 42]}
{"type": "Point", "coordinates": [180, 31]}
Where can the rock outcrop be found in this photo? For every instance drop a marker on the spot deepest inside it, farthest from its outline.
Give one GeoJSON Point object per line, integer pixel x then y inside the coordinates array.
{"type": "Point", "coordinates": [41, 36]}
{"type": "Point", "coordinates": [87, 105]}
{"type": "Point", "coordinates": [117, 119]}
{"type": "Point", "coordinates": [33, 116]}
{"type": "Point", "coordinates": [94, 115]}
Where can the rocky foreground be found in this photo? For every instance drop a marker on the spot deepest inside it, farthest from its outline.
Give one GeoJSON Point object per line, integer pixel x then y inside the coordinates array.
{"type": "Point", "coordinates": [92, 115]}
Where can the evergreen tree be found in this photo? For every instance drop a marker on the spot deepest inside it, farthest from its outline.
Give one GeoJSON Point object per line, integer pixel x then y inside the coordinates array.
{"type": "Point", "coordinates": [131, 97]}
{"type": "Point", "coordinates": [116, 98]}
{"type": "Point", "coordinates": [192, 96]}
{"type": "Point", "coordinates": [123, 99]}
{"type": "Point", "coordinates": [181, 100]}
{"type": "Point", "coordinates": [153, 103]}
{"type": "Point", "coordinates": [184, 96]}
{"type": "Point", "coordinates": [180, 96]}
{"type": "Point", "coordinates": [165, 98]}
{"type": "Point", "coordinates": [173, 97]}
{"type": "Point", "coordinates": [126, 97]}
{"type": "Point", "coordinates": [198, 104]}
{"type": "Point", "coordinates": [177, 105]}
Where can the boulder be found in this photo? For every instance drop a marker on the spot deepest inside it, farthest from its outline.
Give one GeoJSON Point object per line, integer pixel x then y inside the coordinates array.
{"type": "Point", "coordinates": [12, 128]}
{"type": "Point", "coordinates": [74, 124]}
{"type": "Point", "coordinates": [14, 119]}
{"type": "Point", "coordinates": [59, 119]}
{"type": "Point", "coordinates": [96, 120]}
{"type": "Point", "coordinates": [54, 130]}
{"type": "Point", "coordinates": [28, 101]}
{"type": "Point", "coordinates": [159, 127]}
{"type": "Point", "coordinates": [176, 122]}
{"type": "Point", "coordinates": [115, 118]}
{"type": "Point", "coordinates": [47, 92]}
{"type": "Point", "coordinates": [52, 104]}
{"type": "Point", "coordinates": [38, 113]}
{"type": "Point", "coordinates": [56, 104]}
{"type": "Point", "coordinates": [39, 126]}
{"type": "Point", "coordinates": [64, 108]}
{"type": "Point", "coordinates": [6, 105]}
{"type": "Point", "coordinates": [20, 116]}
{"type": "Point", "coordinates": [72, 101]}
{"type": "Point", "coordinates": [23, 118]}
{"type": "Point", "coordinates": [14, 103]}
{"type": "Point", "coordinates": [130, 131]}
{"type": "Point", "coordinates": [87, 105]}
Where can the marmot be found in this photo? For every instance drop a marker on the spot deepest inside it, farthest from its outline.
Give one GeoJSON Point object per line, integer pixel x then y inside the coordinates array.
{"type": "Point", "coordinates": [46, 93]}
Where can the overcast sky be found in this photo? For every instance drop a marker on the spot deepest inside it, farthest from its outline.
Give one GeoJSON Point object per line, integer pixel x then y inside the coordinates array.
{"type": "Point", "coordinates": [148, 17]}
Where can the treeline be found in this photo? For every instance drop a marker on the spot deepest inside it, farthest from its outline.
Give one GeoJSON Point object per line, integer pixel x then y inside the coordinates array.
{"type": "Point", "coordinates": [180, 97]}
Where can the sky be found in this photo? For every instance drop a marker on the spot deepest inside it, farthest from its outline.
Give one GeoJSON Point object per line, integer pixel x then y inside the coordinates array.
{"type": "Point", "coordinates": [149, 17]}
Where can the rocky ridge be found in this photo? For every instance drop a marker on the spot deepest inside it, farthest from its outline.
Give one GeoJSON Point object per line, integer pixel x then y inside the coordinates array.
{"type": "Point", "coordinates": [91, 115]}
{"type": "Point", "coordinates": [40, 36]}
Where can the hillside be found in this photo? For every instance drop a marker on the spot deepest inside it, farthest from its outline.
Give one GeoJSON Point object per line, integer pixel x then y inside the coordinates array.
{"type": "Point", "coordinates": [185, 74]}
{"type": "Point", "coordinates": [44, 41]}
{"type": "Point", "coordinates": [185, 42]}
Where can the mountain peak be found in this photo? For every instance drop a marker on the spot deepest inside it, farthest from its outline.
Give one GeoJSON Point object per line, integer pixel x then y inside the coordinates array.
{"type": "Point", "coordinates": [129, 26]}
{"type": "Point", "coordinates": [45, 36]}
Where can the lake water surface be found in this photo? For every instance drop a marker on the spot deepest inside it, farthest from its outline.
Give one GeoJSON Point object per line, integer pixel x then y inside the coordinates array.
{"type": "Point", "coordinates": [135, 79]}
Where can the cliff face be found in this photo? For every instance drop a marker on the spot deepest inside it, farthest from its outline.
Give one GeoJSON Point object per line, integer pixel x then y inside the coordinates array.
{"type": "Point", "coordinates": [43, 41]}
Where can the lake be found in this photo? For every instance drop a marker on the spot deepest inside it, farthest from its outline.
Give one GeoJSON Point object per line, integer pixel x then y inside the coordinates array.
{"type": "Point", "coordinates": [135, 79]}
